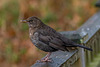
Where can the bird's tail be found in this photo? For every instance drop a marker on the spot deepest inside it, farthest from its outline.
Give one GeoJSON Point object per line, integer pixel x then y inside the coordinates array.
{"type": "Point", "coordinates": [77, 45]}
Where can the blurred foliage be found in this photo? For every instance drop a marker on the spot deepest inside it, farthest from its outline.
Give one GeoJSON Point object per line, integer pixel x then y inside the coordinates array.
{"type": "Point", "coordinates": [24, 27]}
{"type": "Point", "coordinates": [63, 15]}
{"type": "Point", "coordinates": [50, 17]}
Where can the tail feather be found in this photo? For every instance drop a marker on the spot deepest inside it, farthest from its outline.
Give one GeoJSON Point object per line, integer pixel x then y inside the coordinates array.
{"type": "Point", "coordinates": [77, 45]}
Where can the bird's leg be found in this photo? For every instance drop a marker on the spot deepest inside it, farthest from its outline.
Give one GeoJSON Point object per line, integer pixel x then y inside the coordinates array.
{"type": "Point", "coordinates": [46, 58]}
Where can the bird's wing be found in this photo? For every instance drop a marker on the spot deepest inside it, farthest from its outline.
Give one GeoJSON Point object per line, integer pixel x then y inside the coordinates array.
{"type": "Point", "coordinates": [52, 42]}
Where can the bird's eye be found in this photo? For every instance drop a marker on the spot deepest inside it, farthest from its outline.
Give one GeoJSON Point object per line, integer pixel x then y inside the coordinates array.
{"type": "Point", "coordinates": [30, 21]}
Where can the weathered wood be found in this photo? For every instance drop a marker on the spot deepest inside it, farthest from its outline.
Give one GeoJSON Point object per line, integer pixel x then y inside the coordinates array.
{"type": "Point", "coordinates": [58, 58]}
{"type": "Point", "coordinates": [89, 35]}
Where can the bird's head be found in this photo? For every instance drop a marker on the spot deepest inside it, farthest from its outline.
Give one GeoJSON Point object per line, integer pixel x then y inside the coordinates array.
{"type": "Point", "coordinates": [32, 22]}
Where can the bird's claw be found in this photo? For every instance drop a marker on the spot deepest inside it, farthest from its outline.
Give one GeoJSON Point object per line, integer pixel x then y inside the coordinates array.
{"type": "Point", "coordinates": [44, 60]}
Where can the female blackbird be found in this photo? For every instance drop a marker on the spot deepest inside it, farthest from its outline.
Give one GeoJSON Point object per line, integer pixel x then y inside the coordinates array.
{"type": "Point", "coordinates": [47, 39]}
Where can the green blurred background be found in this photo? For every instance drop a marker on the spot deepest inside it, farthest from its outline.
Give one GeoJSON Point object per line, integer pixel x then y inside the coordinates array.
{"type": "Point", "coordinates": [16, 49]}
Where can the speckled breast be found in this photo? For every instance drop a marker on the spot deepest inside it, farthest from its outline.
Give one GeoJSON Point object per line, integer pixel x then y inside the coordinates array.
{"type": "Point", "coordinates": [42, 46]}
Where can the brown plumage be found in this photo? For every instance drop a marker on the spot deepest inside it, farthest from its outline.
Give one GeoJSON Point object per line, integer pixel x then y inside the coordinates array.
{"type": "Point", "coordinates": [47, 39]}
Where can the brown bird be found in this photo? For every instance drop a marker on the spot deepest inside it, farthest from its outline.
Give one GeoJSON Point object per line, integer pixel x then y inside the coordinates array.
{"type": "Point", "coordinates": [47, 39]}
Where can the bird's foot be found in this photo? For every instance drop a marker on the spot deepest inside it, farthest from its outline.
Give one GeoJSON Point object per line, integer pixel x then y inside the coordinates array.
{"type": "Point", "coordinates": [46, 60]}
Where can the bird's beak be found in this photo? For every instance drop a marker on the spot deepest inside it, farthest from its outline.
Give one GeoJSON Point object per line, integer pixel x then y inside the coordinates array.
{"type": "Point", "coordinates": [23, 21]}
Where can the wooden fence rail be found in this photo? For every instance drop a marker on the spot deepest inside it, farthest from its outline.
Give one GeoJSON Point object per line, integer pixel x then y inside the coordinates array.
{"type": "Point", "coordinates": [89, 35]}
